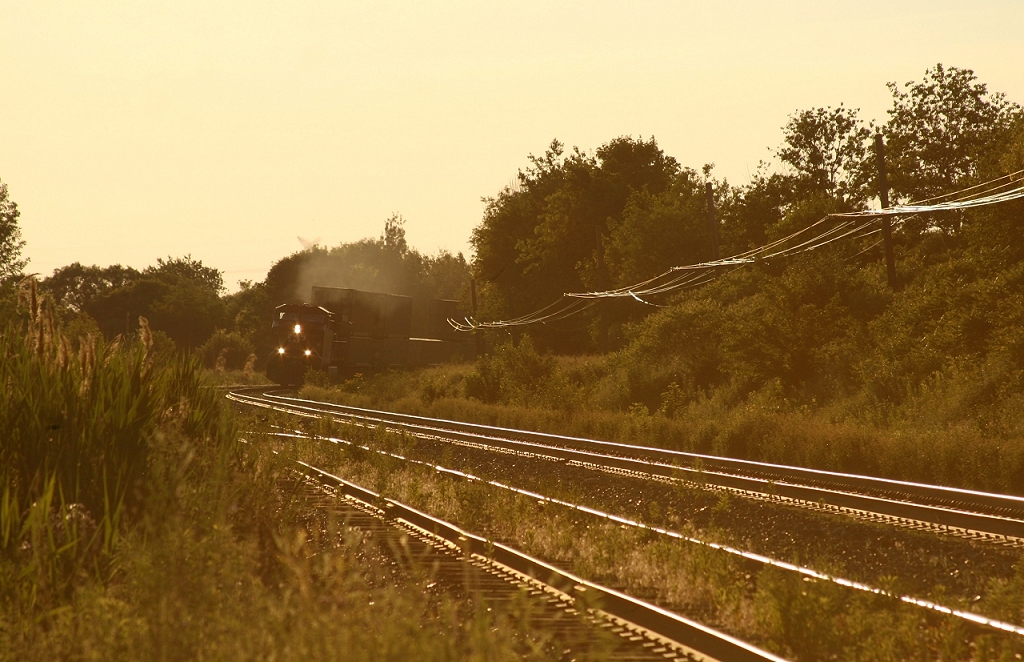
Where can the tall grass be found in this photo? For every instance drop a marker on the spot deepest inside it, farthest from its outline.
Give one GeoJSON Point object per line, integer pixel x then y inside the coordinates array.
{"type": "Point", "coordinates": [77, 420]}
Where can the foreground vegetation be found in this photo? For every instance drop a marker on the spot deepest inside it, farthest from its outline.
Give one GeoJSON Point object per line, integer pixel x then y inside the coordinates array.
{"type": "Point", "coordinates": [135, 525]}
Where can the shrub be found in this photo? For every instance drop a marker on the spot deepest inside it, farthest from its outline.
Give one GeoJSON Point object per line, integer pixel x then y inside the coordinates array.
{"type": "Point", "coordinates": [512, 374]}
{"type": "Point", "coordinates": [226, 350]}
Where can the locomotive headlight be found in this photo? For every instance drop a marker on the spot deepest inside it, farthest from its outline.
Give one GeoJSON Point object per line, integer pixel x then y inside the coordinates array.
{"type": "Point", "coordinates": [280, 350]}
{"type": "Point", "coordinates": [308, 352]}
{"type": "Point", "coordinates": [298, 329]}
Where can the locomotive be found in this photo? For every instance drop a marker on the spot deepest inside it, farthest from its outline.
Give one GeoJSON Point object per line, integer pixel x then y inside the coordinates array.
{"type": "Point", "coordinates": [344, 331]}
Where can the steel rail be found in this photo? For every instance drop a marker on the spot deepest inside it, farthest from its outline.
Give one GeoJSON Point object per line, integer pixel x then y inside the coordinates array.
{"type": "Point", "coordinates": [651, 461]}
{"type": "Point", "coordinates": [688, 634]}
{"type": "Point", "coordinates": [971, 618]}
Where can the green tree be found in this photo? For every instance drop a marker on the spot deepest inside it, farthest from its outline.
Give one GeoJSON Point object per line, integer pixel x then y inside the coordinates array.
{"type": "Point", "coordinates": [11, 262]}
{"type": "Point", "coordinates": [74, 286]}
{"type": "Point", "coordinates": [827, 150]}
{"type": "Point", "coordinates": [185, 269]}
{"type": "Point", "coordinates": [548, 234]}
{"type": "Point", "coordinates": [446, 275]}
{"type": "Point", "coordinates": [188, 311]}
{"type": "Point", "coordinates": [660, 230]}
{"type": "Point", "coordinates": [393, 237]}
{"type": "Point", "coordinates": [180, 296]}
{"type": "Point", "coordinates": [750, 212]}
{"type": "Point", "coordinates": [944, 132]}
{"type": "Point", "coordinates": [11, 243]}
{"type": "Point", "coordinates": [510, 217]}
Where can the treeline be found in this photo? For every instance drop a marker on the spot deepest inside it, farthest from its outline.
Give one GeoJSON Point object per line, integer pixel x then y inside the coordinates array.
{"type": "Point", "coordinates": [186, 303]}
{"type": "Point", "coordinates": [812, 359]}
{"type": "Point", "coordinates": [576, 221]}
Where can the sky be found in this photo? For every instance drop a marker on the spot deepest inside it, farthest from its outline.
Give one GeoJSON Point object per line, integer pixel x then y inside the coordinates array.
{"type": "Point", "coordinates": [224, 130]}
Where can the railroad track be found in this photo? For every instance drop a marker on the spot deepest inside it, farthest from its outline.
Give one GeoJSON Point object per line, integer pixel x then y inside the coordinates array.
{"type": "Point", "coordinates": [962, 512]}
{"type": "Point", "coordinates": [971, 619]}
{"type": "Point", "coordinates": [572, 604]}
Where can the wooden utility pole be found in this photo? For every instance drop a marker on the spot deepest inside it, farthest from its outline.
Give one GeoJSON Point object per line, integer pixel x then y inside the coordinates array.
{"type": "Point", "coordinates": [712, 221]}
{"type": "Point", "coordinates": [883, 196]}
{"type": "Point", "coordinates": [476, 332]}
{"type": "Point", "coordinates": [602, 328]}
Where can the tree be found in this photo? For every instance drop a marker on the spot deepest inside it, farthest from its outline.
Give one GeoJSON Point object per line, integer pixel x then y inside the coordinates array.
{"type": "Point", "coordinates": [547, 234]}
{"type": "Point", "coordinates": [827, 148]}
{"type": "Point", "coordinates": [74, 286]}
{"type": "Point", "coordinates": [660, 230]}
{"type": "Point", "coordinates": [180, 296]}
{"type": "Point", "coordinates": [944, 132]}
{"type": "Point", "coordinates": [446, 275]}
{"type": "Point", "coordinates": [175, 270]}
{"type": "Point", "coordinates": [510, 217]}
{"type": "Point", "coordinates": [188, 311]}
{"type": "Point", "coordinates": [393, 237]}
{"type": "Point", "coordinates": [749, 213]}
{"type": "Point", "coordinates": [11, 243]}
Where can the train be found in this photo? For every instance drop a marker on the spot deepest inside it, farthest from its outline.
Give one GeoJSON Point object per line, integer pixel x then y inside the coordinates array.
{"type": "Point", "coordinates": [345, 331]}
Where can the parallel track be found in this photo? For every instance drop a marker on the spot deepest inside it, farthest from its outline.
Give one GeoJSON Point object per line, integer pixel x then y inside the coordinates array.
{"type": "Point", "coordinates": [970, 618]}
{"type": "Point", "coordinates": [963, 512]}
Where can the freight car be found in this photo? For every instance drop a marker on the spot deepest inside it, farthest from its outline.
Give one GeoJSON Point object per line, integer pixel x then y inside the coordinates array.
{"type": "Point", "coordinates": [344, 331]}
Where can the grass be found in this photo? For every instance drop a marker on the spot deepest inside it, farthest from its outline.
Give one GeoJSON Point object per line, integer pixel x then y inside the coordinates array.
{"type": "Point", "coordinates": [227, 377]}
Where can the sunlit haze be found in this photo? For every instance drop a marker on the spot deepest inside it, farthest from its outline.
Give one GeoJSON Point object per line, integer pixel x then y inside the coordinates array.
{"type": "Point", "coordinates": [225, 130]}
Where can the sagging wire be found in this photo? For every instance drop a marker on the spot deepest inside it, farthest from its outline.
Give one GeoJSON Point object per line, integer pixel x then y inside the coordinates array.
{"type": "Point", "coordinates": [877, 243]}
{"type": "Point", "coordinates": [991, 195]}
{"type": "Point", "coordinates": [960, 192]}
{"type": "Point", "coordinates": [646, 302]}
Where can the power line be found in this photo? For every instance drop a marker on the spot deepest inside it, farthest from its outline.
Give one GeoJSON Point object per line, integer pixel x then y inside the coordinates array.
{"type": "Point", "coordinates": [816, 235]}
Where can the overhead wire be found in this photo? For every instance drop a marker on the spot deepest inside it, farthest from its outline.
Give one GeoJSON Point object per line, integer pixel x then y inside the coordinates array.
{"type": "Point", "coordinates": [694, 275]}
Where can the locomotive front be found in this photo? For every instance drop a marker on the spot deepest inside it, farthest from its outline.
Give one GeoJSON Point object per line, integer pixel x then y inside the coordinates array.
{"type": "Point", "coordinates": [300, 333]}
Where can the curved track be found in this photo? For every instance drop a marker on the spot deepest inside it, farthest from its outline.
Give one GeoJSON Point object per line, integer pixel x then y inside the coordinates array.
{"type": "Point", "coordinates": [964, 512]}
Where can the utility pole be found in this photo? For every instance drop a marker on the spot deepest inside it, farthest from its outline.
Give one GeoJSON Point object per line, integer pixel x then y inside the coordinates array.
{"type": "Point", "coordinates": [476, 332]}
{"type": "Point", "coordinates": [883, 196]}
{"type": "Point", "coordinates": [712, 221]}
{"type": "Point", "coordinates": [602, 334]}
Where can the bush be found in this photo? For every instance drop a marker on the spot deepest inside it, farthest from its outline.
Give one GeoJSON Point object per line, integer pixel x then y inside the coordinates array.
{"type": "Point", "coordinates": [226, 350]}
{"type": "Point", "coordinates": [512, 374]}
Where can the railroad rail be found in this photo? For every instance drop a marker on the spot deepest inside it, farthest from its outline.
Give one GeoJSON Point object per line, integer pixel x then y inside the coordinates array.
{"type": "Point", "coordinates": [937, 507]}
{"type": "Point", "coordinates": [657, 633]}
{"type": "Point", "coordinates": [972, 619]}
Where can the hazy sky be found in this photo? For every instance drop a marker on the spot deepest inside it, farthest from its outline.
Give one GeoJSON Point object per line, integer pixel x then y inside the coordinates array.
{"type": "Point", "coordinates": [135, 130]}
